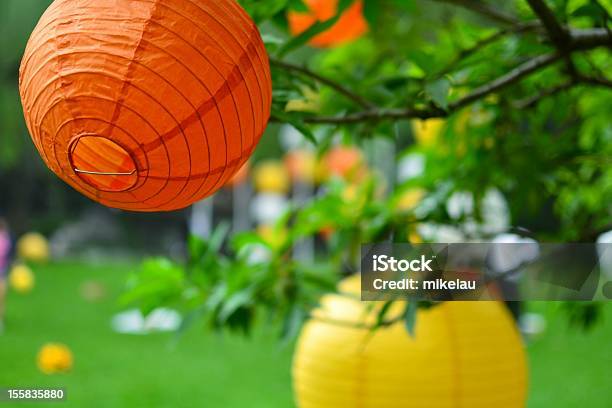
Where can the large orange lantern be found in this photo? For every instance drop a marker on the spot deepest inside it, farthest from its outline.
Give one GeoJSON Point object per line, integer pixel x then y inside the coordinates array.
{"type": "Point", "coordinates": [145, 105]}
{"type": "Point", "coordinates": [350, 26]}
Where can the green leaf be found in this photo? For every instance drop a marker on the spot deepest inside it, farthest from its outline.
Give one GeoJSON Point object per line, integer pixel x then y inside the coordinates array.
{"type": "Point", "coordinates": [295, 119]}
{"type": "Point", "coordinates": [218, 236]}
{"type": "Point", "coordinates": [438, 92]}
{"type": "Point", "coordinates": [410, 316]}
{"type": "Point", "coordinates": [293, 323]}
{"type": "Point", "coordinates": [236, 301]}
{"type": "Point", "coordinates": [303, 38]}
{"type": "Point", "coordinates": [382, 314]}
{"type": "Point", "coordinates": [313, 31]}
{"type": "Point", "coordinates": [371, 9]}
{"type": "Point", "coordinates": [298, 5]}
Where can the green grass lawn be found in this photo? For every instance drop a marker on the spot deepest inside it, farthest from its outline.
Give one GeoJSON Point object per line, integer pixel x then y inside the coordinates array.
{"type": "Point", "coordinates": [569, 368]}
{"type": "Point", "coordinates": [114, 370]}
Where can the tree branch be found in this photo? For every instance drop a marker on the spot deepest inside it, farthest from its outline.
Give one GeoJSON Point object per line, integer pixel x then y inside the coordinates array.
{"type": "Point", "coordinates": [579, 40]}
{"type": "Point", "coordinates": [358, 99]}
{"type": "Point", "coordinates": [519, 28]}
{"type": "Point", "coordinates": [559, 36]}
{"type": "Point", "coordinates": [545, 93]}
{"type": "Point", "coordinates": [590, 38]}
{"type": "Point", "coordinates": [510, 78]}
{"type": "Point", "coordinates": [432, 111]}
{"type": "Point", "coordinates": [484, 10]}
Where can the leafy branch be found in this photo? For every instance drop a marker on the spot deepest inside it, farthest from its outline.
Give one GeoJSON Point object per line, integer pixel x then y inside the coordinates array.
{"type": "Point", "coordinates": [359, 100]}
{"type": "Point", "coordinates": [572, 41]}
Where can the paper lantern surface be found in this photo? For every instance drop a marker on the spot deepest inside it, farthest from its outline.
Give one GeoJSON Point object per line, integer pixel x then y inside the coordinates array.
{"type": "Point", "coordinates": [145, 105]}
{"type": "Point", "coordinates": [350, 26]}
{"type": "Point", "coordinates": [463, 354]}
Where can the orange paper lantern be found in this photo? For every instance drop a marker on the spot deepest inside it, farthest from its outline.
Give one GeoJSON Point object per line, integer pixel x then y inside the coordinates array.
{"type": "Point", "coordinates": [346, 162]}
{"type": "Point", "coordinates": [350, 26]}
{"type": "Point", "coordinates": [145, 105]}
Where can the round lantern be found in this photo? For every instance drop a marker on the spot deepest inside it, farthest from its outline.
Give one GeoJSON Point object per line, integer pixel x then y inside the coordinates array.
{"type": "Point", "coordinates": [145, 105]}
{"type": "Point", "coordinates": [21, 279]}
{"type": "Point", "coordinates": [54, 358]}
{"type": "Point", "coordinates": [350, 26]}
{"type": "Point", "coordinates": [301, 165]}
{"type": "Point", "coordinates": [346, 162]}
{"type": "Point", "coordinates": [463, 354]}
{"type": "Point", "coordinates": [33, 247]}
{"type": "Point", "coordinates": [271, 176]}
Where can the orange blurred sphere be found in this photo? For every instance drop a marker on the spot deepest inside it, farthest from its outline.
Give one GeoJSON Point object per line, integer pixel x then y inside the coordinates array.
{"type": "Point", "coordinates": [350, 26]}
{"type": "Point", "coordinates": [346, 162]}
{"type": "Point", "coordinates": [301, 165]}
{"type": "Point", "coordinates": [145, 105]}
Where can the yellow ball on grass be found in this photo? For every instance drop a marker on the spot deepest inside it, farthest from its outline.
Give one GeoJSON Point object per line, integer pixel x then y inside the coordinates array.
{"type": "Point", "coordinates": [21, 279]}
{"type": "Point", "coordinates": [54, 358]}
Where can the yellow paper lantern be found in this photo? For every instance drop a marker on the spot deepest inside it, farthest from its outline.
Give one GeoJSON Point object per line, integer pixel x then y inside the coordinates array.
{"type": "Point", "coordinates": [54, 358]}
{"type": "Point", "coordinates": [33, 247]}
{"type": "Point", "coordinates": [463, 354]}
{"type": "Point", "coordinates": [21, 279]}
{"type": "Point", "coordinates": [271, 177]}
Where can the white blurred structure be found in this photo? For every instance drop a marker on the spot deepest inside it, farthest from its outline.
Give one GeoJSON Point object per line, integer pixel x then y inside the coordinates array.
{"type": "Point", "coordinates": [510, 251]}
{"type": "Point", "coordinates": [494, 210]}
{"type": "Point", "coordinates": [267, 208]}
{"type": "Point", "coordinates": [410, 166]}
{"type": "Point", "coordinates": [200, 222]}
{"type": "Point", "coordinates": [133, 322]}
{"type": "Point", "coordinates": [604, 249]}
{"type": "Point", "coordinates": [290, 138]}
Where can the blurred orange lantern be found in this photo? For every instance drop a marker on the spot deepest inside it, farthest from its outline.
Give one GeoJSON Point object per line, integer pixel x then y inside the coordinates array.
{"type": "Point", "coordinates": [350, 26]}
{"type": "Point", "coordinates": [301, 165]}
{"type": "Point", "coordinates": [346, 162]}
{"type": "Point", "coordinates": [145, 105]}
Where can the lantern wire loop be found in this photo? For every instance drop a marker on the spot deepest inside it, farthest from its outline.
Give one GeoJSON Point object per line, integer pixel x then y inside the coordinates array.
{"type": "Point", "coordinates": [100, 173]}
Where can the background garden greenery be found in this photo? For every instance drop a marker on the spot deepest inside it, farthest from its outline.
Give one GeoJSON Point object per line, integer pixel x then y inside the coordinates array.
{"type": "Point", "coordinates": [226, 370]}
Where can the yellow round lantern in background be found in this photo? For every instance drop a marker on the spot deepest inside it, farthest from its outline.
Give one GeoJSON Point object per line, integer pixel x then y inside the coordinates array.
{"type": "Point", "coordinates": [271, 177]}
{"type": "Point", "coordinates": [21, 279]}
{"type": "Point", "coordinates": [33, 247]}
{"type": "Point", "coordinates": [463, 354]}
